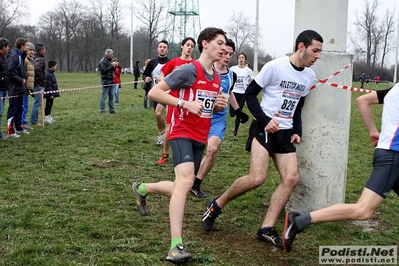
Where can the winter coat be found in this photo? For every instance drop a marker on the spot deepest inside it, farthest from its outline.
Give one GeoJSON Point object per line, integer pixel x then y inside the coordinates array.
{"type": "Point", "coordinates": [136, 71]}
{"type": "Point", "coordinates": [106, 70]}
{"type": "Point", "coordinates": [40, 69]}
{"type": "Point", "coordinates": [51, 84]}
{"type": "Point", "coordinates": [4, 79]}
{"type": "Point", "coordinates": [17, 73]}
{"type": "Point", "coordinates": [117, 75]}
{"type": "Point", "coordinates": [30, 70]}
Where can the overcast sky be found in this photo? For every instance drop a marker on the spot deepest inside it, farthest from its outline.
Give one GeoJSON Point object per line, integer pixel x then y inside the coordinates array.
{"type": "Point", "coordinates": [276, 18]}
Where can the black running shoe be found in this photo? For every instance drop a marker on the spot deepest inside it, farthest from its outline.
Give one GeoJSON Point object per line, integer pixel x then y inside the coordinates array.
{"type": "Point", "coordinates": [211, 213]}
{"type": "Point", "coordinates": [290, 230]}
{"type": "Point", "coordinates": [271, 236]}
{"type": "Point", "coordinates": [196, 191]}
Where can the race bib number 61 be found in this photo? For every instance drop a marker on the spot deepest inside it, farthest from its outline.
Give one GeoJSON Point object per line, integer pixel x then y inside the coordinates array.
{"type": "Point", "coordinates": [208, 99]}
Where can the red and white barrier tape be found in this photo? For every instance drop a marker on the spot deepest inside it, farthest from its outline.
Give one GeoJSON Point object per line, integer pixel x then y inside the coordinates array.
{"type": "Point", "coordinates": [324, 81]}
{"type": "Point", "coordinates": [348, 88]}
{"type": "Point", "coordinates": [67, 90]}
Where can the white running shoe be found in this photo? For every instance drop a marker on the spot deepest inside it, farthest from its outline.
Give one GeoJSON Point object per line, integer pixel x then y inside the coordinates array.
{"type": "Point", "coordinates": [47, 119]}
{"type": "Point", "coordinates": [160, 139]}
{"type": "Point", "coordinates": [13, 135]}
{"type": "Point", "coordinates": [22, 131]}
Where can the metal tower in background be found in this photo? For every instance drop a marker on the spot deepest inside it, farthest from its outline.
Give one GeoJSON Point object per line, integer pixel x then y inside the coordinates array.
{"type": "Point", "coordinates": [183, 20]}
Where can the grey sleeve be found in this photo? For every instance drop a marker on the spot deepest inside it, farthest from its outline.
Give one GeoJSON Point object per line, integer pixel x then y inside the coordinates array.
{"type": "Point", "coordinates": [181, 77]}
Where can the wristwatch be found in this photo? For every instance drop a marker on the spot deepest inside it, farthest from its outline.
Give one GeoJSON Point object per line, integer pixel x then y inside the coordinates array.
{"type": "Point", "coordinates": [180, 103]}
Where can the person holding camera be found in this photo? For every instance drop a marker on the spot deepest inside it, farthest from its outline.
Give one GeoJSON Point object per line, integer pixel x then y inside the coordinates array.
{"type": "Point", "coordinates": [107, 68]}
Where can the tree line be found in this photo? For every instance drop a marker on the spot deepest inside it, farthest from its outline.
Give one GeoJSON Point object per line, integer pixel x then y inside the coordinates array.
{"type": "Point", "coordinates": [76, 35]}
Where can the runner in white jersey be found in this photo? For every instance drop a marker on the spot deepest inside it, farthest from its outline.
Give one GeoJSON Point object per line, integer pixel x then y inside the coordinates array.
{"type": "Point", "coordinates": [218, 125]}
{"type": "Point", "coordinates": [276, 127]}
{"type": "Point", "coordinates": [385, 175]}
{"type": "Point", "coordinates": [244, 77]}
{"type": "Point", "coordinates": [150, 75]}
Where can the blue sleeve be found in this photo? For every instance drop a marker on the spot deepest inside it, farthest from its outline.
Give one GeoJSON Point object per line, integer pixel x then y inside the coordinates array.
{"type": "Point", "coordinates": [48, 86]}
{"type": "Point", "coordinates": [13, 63]}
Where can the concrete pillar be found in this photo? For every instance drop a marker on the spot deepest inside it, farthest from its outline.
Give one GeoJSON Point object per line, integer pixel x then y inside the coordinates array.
{"type": "Point", "coordinates": [323, 153]}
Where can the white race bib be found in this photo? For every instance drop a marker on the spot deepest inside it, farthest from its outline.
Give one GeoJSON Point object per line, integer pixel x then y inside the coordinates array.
{"type": "Point", "coordinates": [288, 102]}
{"type": "Point", "coordinates": [208, 99]}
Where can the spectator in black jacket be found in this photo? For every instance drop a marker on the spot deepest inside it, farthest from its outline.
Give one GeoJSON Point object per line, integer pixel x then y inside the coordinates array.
{"type": "Point", "coordinates": [136, 72]}
{"type": "Point", "coordinates": [4, 79]}
{"type": "Point", "coordinates": [51, 90]}
{"type": "Point", "coordinates": [40, 82]}
{"type": "Point", "coordinates": [107, 68]}
{"type": "Point", "coordinates": [17, 88]}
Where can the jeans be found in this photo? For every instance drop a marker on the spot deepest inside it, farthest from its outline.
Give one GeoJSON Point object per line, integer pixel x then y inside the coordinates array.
{"type": "Point", "coordinates": [37, 102]}
{"type": "Point", "coordinates": [25, 106]}
{"type": "Point", "coordinates": [107, 90]}
{"type": "Point", "coordinates": [14, 114]}
{"type": "Point", "coordinates": [2, 102]}
{"type": "Point", "coordinates": [116, 89]}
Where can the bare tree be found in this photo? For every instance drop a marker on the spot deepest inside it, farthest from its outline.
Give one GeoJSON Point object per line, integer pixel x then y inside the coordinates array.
{"type": "Point", "coordinates": [389, 28]}
{"type": "Point", "coordinates": [115, 17]}
{"type": "Point", "coordinates": [100, 13]}
{"type": "Point", "coordinates": [70, 14]}
{"type": "Point", "coordinates": [87, 37]}
{"type": "Point", "coordinates": [151, 14]}
{"type": "Point", "coordinates": [371, 41]}
{"type": "Point", "coordinates": [10, 12]}
{"type": "Point", "coordinates": [366, 23]}
{"type": "Point", "coordinates": [240, 29]}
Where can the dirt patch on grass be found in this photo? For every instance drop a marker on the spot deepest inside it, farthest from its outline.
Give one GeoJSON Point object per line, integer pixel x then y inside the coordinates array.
{"type": "Point", "coordinates": [369, 225]}
{"type": "Point", "coordinates": [112, 164]}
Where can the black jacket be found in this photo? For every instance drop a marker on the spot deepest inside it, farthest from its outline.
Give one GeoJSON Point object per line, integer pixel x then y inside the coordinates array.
{"type": "Point", "coordinates": [51, 84]}
{"type": "Point", "coordinates": [17, 72]}
{"type": "Point", "coordinates": [40, 69]}
{"type": "Point", "coordinates": [106, 70]}
{"type": "Point", "coordinates": [136, 71]}
{"type": "Point", "coordinates": [4, 79]}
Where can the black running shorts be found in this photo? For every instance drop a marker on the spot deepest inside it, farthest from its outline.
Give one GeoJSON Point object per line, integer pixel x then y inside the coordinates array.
{"type": "Point", "coordinates": [385, 175]}
{"type": "Point", "coordinates": [187, 150]}
{"type": "Point", "coordinates": [279, 142]}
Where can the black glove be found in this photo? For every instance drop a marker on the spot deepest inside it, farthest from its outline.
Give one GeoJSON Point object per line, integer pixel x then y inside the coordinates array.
{"type": "Point", "coordinates": [243, 116]}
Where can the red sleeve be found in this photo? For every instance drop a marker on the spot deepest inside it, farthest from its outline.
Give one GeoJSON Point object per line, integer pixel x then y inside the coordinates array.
{"type": "Point", "coordinates": [168, 67]}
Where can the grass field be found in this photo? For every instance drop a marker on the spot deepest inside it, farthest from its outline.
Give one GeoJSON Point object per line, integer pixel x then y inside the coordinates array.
{"type": "Point", "coordinates": [66, 197]}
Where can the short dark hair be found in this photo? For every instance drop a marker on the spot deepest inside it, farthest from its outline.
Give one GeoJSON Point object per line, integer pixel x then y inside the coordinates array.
{"type": "Point", "coordinates": [137, 62]}
{"type": "Point", "coordinates": [208, 34]}
{"type": "Point", "coordinates": [306, 37]}
{"type": "Point", "coordinates": [242, 53]}
{"type": "Point", "coordinates": [51, 63]}
{"type": "Point", "coordinates": [39, 47]}
{"type": "Point", "coordinates": [20, 42]}
{"type": "Point", "coordinates": [165, 42]}
{"type": "Point", "coordinates": [188, 39]}
{"type": "Point", "coordinates": [230, 43]}
{"type": "Point", "coordinates": [4, 42]}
